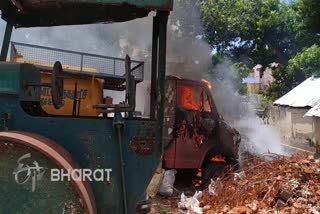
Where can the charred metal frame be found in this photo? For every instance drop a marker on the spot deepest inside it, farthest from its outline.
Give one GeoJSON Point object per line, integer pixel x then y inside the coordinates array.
{"type": "Point", "coordinates": [158, 75]}
{"type": "Point", "coordinates": [163, 21]}
{"type": "Point", "coordinates": [154, 63]}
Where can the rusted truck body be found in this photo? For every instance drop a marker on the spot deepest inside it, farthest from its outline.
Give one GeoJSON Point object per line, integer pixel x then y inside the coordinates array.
{"type": "Point", "coordinates": [194, 133]}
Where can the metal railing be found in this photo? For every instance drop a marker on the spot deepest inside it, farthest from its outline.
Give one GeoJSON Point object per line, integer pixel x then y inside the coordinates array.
{"type": "Point", "coordinates": [74, 61]}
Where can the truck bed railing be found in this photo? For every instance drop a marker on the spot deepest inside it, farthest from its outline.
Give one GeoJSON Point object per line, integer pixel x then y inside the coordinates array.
{"type": "Point", "coordinates": [74, 61]}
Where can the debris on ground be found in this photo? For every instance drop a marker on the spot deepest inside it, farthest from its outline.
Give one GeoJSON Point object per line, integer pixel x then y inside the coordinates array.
{"type": "Point", "coordinates": [277, 185]}
{"type": "Point", "coordinates": [191, 204]}
{"type": "Point", "coordinates": [271, 184]}
{"type": "Point", "coordinates": [166, 188]}
{"type": "Point", "coordinates": [212, 187]}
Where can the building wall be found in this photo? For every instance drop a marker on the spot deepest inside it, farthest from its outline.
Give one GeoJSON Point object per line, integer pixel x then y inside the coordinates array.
{"type": "Point", "coordinates": [267, 78]}
{"type": "Point", "coordinates": [292, 124]}
{"type": "Point", "coordinates": [316, 122]}
{"type": "Point", "coordinates": [253, 88]}
{"type": "Point", "coordinates": [302, 127]}
{"type": "Point", "coordinates": [281, 118]}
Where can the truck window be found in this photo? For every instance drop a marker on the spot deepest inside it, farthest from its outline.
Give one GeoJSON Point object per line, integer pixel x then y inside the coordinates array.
{"type": "Point", "coordinates": [193, 98]}
{"type": "Point", "coordinates": [190, 97]}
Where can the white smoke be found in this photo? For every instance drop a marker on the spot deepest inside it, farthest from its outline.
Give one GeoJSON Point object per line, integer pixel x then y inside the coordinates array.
{"type": "Point", "coordinates": [240, 111]}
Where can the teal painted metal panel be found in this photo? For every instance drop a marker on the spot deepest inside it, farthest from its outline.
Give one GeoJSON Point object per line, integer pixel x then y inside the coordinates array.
{"type": "Point", "coordinates": [92, 143]}
{"type": "Point", "coordinates": [29, 76]}
{"type": "Point", "coordinates": [15, 76]}
{"type": "Point", "coordinates": [10, 78]}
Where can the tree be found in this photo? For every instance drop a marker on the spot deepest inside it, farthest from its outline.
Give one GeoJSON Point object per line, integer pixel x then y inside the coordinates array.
{"type": "Point", "coordinates": [305, 64]}
{"type": "Point", "coordinates": [302, 66]}
{"type": "Point", "coordinates": [254, 31]}
{"type": "Point", "coordinates": [281, 85]}
{"type": "Point", "coordinates": [251, 32]}
{"type": "Point", "coordinates": [309, 11]}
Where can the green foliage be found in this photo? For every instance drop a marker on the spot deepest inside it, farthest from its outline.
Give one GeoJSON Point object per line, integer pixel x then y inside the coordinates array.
{"type": "Point", "coordinates": [242, 69]}
{"type": "Point", "coordinates": [305, 64]}
{"type": "Point", "coordinates": [281, 85]}
{"type": "Point", "coordinates": [242, 89]}
{"type": "Point", "coordinates": [276, 90]}
{"type": "Point", "coordinates": [251, 32]}
{"type": "Point", "coordinates": [309, 11]}
{"type": "Point", "coordinates": [302, 66]}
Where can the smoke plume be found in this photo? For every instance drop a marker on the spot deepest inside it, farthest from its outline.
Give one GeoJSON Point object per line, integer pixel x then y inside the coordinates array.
{"type": "Point", "coordinates": [240, 111]}
{"type": "Point", "coordinates": [188, 56]}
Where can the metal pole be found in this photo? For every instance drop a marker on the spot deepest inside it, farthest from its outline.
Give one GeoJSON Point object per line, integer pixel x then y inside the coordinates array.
{"type": "Point", "coordinates": [81, 63]}
{"type": "Point", "coordinates": [163, 21]}
{"type": "Point", "coordinates": [154, 66]}
{"type": "Point", "coordinates": [118, 124]}
{"type": "Point", "coordinates": [6, 41]}
{"type": "Point", "coordinates": [12, 52]}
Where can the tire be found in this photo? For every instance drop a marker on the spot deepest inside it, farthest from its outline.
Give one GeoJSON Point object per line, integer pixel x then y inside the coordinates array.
{"type": "Point", "coordinates": [210, 171]}
{"type": "Point", "coordinates": [234, 164]}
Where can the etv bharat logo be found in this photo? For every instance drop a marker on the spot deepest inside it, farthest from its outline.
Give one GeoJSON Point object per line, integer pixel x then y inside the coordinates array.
{"type": "Point", "coordinates": [33, 172]}
{"type": "Point", "coordinates": [25, 172]}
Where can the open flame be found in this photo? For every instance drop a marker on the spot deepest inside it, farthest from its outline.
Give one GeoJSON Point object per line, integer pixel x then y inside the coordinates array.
{"type": "Point", "coordinates": [199, 174]}
{"type": "Point", "coordinates": [218, 158]}
{"type": "Point", "coordinates": [198, 181]}
{"type": "Point", "coordinates": [188, 98]}
{"type": "Point", "coordinates": [207, 83]}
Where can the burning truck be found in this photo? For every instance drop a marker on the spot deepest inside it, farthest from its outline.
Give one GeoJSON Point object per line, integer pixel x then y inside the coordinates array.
{"type": "Point", "coordinates": [195, 135]}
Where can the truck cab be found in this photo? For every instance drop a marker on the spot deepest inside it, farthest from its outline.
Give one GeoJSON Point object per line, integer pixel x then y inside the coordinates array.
{"type": "Point", "coordinates": [194, 133]}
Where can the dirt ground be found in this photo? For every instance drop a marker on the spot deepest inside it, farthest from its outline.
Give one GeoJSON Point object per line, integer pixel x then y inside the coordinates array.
{"type": "Point", "coordinates": [268, 184]}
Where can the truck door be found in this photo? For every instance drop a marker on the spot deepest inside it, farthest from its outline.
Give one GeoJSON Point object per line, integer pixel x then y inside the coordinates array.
{"type": "Point", "coordinates": [194, 124]}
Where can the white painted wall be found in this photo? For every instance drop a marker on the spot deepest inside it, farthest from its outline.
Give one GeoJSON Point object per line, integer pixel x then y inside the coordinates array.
{"type": "Point", "coordinates": [292, 124]}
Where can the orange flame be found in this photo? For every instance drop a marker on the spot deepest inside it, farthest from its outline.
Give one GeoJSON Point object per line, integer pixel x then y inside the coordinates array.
{"type": "Point", "coordinates": [199, 174]}
{"type": "Point", "coordinates": [187, 99]}
{"type": "Point", "coordinates": [218, 158]}
{"type": "Point", "coordinates": [197, 183]}
{"type": "Point", "coordinates": [207, 83]}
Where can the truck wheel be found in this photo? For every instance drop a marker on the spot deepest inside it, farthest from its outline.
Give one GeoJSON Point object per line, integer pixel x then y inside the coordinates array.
{"type": "Point", "coordinates": [211, 170]}
{"type": "Point", "coordinates": [26, 184]}
{"type": "Point", "coordinates": [234, 164]}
